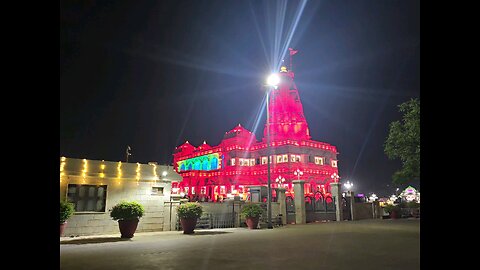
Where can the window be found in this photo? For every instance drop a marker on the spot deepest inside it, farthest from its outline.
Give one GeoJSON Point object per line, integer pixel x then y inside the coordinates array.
{"type": "Point", "coordinates": [264, 160]}
{"type": "Point", "coordinates": [295, 158]}
{"type": "Point", "coordinates": [232, 161]}
{"type": "Point", "coordinates": [334, 163]}
{"type": "Point", "coordinates": [310, 158]}
{"type": "Point", "coordinates": [257, 161]}
{"type": "Point", "coordinates": [157, 191]}
{"type": "Point", "coordinates": [285, 158]}
{"type": "Point", "coordinates": [279, 159]}
{"type": "Point", "coordinates": [252, 162]}
{"type": "Point", "coordinates": [292, 158]}
{"type": "Point", "coordinates": [319, 160]}
{"type": "Point", "coordinates": [87, 198]}
{"type": "Point", "coordinates": [240, 162]}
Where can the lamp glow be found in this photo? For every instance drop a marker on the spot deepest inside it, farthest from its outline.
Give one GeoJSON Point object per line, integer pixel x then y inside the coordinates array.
{"type": "Point", "coordinates": [273, 80]}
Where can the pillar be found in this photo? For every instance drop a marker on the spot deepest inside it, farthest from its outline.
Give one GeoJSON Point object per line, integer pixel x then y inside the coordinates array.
{"type": "Point", "coordinates": [300, 214]}
{"type": "Point", "coordinates": [283, 204]}
{"type": "Point", "coordinates": [352, 204]}
{"type": "Point", "coordinates": [337, 197]}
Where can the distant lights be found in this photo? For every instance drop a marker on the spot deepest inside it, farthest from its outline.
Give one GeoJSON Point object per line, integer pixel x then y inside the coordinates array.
{"type": "Point", "coordinates": [119, 169]}
{"type": "Point", "coordinates": [138, 172]}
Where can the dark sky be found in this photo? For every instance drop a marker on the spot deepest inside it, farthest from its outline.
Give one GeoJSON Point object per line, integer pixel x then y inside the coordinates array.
{"type": "Point", "coordinates": [152, 74]}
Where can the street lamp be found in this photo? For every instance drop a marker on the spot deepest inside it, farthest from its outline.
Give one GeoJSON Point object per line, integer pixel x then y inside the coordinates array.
{"type": "Point", "coordinates": [279, 181]}
{"type": "Point", "coordinates": [298, 173]}
{"type": "Point", "coordinates": [272, 82]}
{"type": "Point", "coordinates": [348, 185]}
{"type": "Point", "coordinates": [373, 197]}
{"type": "Point", "coordinates": [335, 177]}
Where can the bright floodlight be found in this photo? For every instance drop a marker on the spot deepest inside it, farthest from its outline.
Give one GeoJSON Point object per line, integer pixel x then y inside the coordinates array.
{"type": "Point", "coordinates": [164, 173]}
{"type": "Point", "coordinates": [273, 80]}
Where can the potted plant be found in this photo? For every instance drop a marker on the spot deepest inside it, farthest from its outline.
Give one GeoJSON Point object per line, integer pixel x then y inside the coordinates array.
{"type": "Point", "coordinates": [128, 215]}
{"type": "Point", "coordinates": [393, 210]}
{"type": "Point", "coordinates": [189, 213]}
{"type": "Point", "coordinates": [66, 211]}
{"type": "Point", "coordinates": [251, 212]}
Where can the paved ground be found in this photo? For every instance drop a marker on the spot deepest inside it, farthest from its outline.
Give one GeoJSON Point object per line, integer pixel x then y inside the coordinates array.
{"type": "Point", "coordinates": [365, 244]}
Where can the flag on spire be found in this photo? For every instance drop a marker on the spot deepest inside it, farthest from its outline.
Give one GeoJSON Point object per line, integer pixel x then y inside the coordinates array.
{"type": "Point", "coordinates": [292, 51]}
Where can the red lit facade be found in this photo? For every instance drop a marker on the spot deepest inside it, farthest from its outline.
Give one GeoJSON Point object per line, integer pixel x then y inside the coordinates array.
{"type": "Point", "coordinates": [212, 173]}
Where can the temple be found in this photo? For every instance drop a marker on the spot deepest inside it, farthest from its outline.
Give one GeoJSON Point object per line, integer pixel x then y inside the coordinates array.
{"type": "Point", "coordinates": [239, 162]}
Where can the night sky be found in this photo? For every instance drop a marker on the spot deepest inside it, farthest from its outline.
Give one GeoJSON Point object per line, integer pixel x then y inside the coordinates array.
{"type": "Point", "coordinates": [152, 74]}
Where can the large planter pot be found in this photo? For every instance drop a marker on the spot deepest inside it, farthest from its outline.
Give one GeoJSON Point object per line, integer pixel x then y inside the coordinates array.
{"type": "Point", "coordinates": [252, 222]}
{"type": "Point", "coordinates": [128, 227]}
{"type": "Point", "coordinates": [394, 214]}
{"type": "Point", "coordinates": [62, 227]}
{"type": "Point", "coordinates": [188, 225]}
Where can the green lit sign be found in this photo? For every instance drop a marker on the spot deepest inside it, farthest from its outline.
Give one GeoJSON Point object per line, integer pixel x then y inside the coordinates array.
{"type": "Point", "coordinates": [202, 163]}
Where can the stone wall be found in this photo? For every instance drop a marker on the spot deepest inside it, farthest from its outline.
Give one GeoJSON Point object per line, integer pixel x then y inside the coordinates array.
{"type": "Point", "coordinates": [92, 223]}
{"type": "Point", "coordinates": [363, 211]}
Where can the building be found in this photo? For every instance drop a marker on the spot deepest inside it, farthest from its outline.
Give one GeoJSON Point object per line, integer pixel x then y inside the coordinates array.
{"type": "Point", "coordinates": [410, 194]}
{"type": "Point", "coordinates": [239, 161]}
{"type": "Point", "coordinates": [95, 186]}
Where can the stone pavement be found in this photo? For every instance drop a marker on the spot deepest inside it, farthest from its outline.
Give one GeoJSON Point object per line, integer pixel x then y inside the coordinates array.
{"type": "Point", "coordinates": [364, 244]}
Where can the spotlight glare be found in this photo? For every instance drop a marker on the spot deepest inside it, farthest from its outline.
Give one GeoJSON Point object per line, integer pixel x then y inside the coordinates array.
{"type": "Point", "coordinates": [273, 80]}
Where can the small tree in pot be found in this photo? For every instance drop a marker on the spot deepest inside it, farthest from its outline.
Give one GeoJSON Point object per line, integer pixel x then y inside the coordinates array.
{"type": "Point", "coordinates": [66, 211]}
{"type": "Point", "coordinates": [393, 210]}
{"type": "Point", "coordinates": [189, 213]}
{"type": "Point", "coordinates": [251, 212]}
{"type": "Point", "coordinates": [128, 215]}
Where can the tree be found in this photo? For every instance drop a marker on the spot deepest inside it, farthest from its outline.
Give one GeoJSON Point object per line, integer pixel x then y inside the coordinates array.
{"type": "Point", "coordinates": [403, 142]}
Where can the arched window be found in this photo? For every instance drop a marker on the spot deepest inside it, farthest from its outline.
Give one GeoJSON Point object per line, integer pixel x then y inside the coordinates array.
{"type": "Point", "coordinates": [182, 168]}
{"type": "Point", "coordinates": [214, 163]}
{"type": "Point", "coordinates": [205, 165]}
{"type": "Point", "coordinates": [196, 166]}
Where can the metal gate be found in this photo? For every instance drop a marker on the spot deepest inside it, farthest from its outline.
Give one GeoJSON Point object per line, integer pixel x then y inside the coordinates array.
{"type": "Point", "coordinates": [319, 208]}
{"type": "Point", "coordinates": [347, 213]}
{"type": "Point", "coordinates": [290, 203]}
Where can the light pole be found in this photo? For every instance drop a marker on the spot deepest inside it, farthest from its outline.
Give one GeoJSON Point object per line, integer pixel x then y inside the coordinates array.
{"type": "Point", "coordinates": [280, 181]}
{"type": "Point", "coordinates": [348, 185]}
{"type": "Point", "coordinates": [298, 173]}
{"type": "Point", "coordinates": [127, 152]}
{"type": "Point", "coordinates": [272, 82]}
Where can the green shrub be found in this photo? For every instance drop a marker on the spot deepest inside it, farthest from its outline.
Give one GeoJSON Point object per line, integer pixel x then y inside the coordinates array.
{"type": "Point", "coordinates": [127, 211]}
{"type": "Point", "coordinates": [389, 208]}
{"type": "Point", "coordinates": [66, 211]}
{"type": "Point", "coordinates": [189, 210]}
{"type": "Point", "coordinates": [413, 204]}
{"type": "Point", "coordinates": [251, 210]}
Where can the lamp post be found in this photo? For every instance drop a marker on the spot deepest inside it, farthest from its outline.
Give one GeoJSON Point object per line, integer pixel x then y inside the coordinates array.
{"type": "Point", "coordinates": [272, 82]}
{"type": "Point", "coordinates": [348, 185]}
{"type": "Point", "coordinates": [298, 173]}
{"type": "Point", "coordinates": [335, 177]}
{"type": "Point", "coordinates": [280, 181]}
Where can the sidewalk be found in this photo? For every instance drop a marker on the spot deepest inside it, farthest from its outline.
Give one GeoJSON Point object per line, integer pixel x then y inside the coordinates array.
{"type": "Point", "coordinates": [364, 244]}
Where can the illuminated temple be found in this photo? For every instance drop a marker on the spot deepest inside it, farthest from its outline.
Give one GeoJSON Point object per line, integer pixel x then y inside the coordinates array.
{"type": "Point", "coordinates": [213, 173]}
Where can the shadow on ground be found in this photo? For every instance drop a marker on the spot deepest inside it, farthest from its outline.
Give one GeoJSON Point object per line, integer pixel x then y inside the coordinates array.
{"type": "Point", "coordinates": [94, 240]}
{"type": "Point", "coordinates": [207, 233]}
